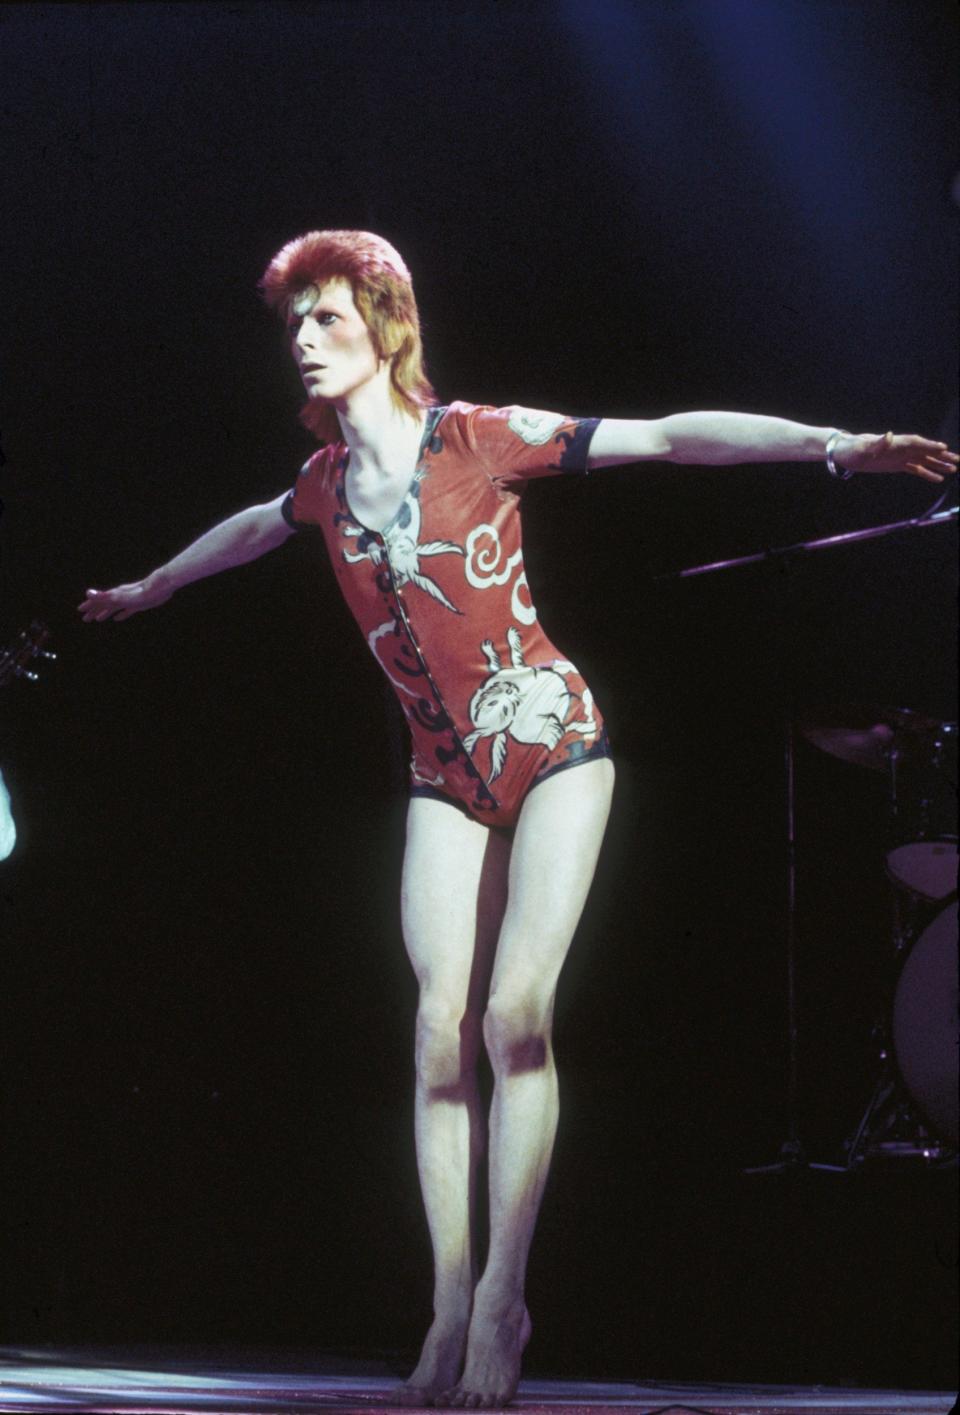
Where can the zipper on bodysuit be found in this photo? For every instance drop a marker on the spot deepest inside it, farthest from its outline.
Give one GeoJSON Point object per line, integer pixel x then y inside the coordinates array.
{"type": "Point", "coordinates": [420, 659]}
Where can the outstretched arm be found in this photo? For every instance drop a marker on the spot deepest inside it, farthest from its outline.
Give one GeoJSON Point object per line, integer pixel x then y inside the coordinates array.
{"type": "Point", "coordinates": [8, 831]}
{"type": "Point", "coordinates": [240, 538]}
{"type": "Point", "coordinates": [720, 439]}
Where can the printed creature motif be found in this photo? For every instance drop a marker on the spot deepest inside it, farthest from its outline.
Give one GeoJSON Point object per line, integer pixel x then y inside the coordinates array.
{"type": "Point", "coordinates": [402, 549]}
{"type": "Point", "coordinates": [533, 427]}
{"type": "Point", "coordinates": [528, 704]}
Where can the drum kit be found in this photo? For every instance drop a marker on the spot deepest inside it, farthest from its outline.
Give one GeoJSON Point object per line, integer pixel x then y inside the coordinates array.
{"type": "Point", "coordinates": [913, 1111]}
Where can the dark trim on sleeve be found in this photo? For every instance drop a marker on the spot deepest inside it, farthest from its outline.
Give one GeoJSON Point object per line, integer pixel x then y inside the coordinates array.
{"type": "Point", "coordinates": [575, 456]}
{"type": "Point", "coordinates": [286, 511]}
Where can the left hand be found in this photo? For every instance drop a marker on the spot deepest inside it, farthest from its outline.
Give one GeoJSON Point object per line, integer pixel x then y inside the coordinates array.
{"type": "Point", "coordinates": [886, 452]}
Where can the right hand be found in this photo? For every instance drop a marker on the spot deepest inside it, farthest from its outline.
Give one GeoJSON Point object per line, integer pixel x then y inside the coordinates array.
{"type": "Point", "coordinates": [124, 600]}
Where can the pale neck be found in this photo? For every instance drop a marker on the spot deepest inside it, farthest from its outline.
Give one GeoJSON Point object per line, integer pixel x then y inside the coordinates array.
{"type": "Point", "coordinates": [379, 436]}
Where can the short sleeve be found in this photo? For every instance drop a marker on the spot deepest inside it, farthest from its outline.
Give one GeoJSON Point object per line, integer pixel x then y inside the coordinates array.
{"type": "Point", "coordinates": [302, 506]}
{"type": "Point", "coordinates": [516, 444]}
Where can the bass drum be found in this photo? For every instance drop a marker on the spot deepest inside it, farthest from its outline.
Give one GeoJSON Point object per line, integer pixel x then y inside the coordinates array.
{"type": "Point", "coordinates": [927, 868]}
{"type": "Point", "coordinates": [925, 1024]}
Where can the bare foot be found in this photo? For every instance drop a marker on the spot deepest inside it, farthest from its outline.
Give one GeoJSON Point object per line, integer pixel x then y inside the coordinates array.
{"type": "Point", "coordinates": [441, 1362]}
{"type": "Point", "coordinates": [495, 1344]}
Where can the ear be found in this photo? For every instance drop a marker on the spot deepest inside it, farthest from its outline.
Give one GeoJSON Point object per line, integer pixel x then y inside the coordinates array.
{"type": "Point", "coordinates": [391, 339]}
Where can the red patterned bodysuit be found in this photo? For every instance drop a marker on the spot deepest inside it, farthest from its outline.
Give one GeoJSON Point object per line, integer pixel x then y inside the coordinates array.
{"type": "Point", "coordinates": [441, 597]}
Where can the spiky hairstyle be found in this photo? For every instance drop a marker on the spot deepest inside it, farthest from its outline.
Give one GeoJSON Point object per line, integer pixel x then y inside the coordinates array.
{"type": "Point", "coordinates": [382, 292]}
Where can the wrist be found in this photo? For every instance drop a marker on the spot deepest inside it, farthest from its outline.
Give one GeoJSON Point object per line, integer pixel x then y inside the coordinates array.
{"type": "Point", "coordinates": [161, 581]}
{"type": "Point", "coordinates": [838, 447]}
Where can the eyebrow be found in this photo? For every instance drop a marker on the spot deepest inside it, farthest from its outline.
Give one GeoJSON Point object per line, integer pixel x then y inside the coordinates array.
{"type": "Point", "coordinates": [318, 307]}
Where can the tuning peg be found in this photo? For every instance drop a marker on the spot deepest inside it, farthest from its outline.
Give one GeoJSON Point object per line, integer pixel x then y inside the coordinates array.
{"type": "Point", "coordinates": [45, 653]}
{"type": "Point", "coordinates": [20, 672]}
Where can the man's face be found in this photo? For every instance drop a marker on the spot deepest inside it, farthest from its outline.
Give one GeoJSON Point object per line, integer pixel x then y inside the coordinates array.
{"type": "Point", "coordinates": [330, 342]}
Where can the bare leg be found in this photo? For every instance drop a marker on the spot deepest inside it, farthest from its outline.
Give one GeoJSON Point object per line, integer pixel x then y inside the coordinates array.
{"type": "Point", "coordinates": [454, 893]}
{"type": "Point", "coordinates": [554, 856]}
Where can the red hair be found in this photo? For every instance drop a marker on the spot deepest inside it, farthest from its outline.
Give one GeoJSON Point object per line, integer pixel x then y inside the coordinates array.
{"type": "Point", "coordinates": [382, 292]}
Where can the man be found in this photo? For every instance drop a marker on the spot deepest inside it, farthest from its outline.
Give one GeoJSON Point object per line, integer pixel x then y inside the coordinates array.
{"type": "Point", "coordinates": [511, 779]}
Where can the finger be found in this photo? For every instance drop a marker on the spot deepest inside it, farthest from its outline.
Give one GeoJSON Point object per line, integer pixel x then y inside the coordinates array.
{"type": "Point", "coordinates": [937, 452]}
{"type": "Point", "coordinates": [919, 471]}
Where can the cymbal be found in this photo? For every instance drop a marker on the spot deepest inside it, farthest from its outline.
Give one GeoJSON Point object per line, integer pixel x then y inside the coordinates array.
{"type": "Point", "coordinates": [868, 735]}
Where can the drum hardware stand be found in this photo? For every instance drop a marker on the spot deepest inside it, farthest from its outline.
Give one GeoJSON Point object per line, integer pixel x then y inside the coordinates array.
{"type": "Point", "coordinates": [792, 1156]}
{"type": "Point", "coordinates": [888, 1118]}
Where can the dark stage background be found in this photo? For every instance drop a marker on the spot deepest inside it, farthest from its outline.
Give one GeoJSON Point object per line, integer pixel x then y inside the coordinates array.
{"type": "Point", "coordinates": [609, 209]}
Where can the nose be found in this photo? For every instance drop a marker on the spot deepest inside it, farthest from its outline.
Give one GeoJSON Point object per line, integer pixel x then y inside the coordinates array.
{"type": "Point", "coordinates": [305, 337]}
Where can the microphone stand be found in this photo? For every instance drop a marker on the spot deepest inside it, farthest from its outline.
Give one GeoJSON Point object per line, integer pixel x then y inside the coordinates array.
{"type": "Point", "coordinates": [792, 1156]}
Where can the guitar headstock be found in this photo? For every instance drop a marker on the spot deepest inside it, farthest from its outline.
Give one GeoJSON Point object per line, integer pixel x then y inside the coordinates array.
{"type": "Point", "coordinates": [25, 649]}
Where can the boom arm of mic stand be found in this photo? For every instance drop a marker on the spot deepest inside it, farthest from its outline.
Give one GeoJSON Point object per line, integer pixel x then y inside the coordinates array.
{"type": "Point", "coordinates": [937, 518]}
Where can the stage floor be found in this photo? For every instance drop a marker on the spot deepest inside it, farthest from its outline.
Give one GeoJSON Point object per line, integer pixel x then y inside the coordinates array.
{"type": "Point", "coordinates": [168, 1381]}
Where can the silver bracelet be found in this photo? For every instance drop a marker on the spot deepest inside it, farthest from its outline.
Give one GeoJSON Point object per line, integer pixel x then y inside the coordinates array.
{"type": "Point", "coordinates": [841, 473]}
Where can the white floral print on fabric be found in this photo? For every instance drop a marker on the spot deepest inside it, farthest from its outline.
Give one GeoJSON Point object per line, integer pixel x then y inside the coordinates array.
{"type": "Point", "coordinates": [483, 569]}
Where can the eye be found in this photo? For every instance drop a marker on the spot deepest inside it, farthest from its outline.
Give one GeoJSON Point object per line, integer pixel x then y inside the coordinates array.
{"type": "Point", "coordinates": [324, 317]}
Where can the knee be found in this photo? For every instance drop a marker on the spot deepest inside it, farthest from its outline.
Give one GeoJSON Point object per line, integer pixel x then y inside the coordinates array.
{"type": "Point", "coordinates": [516, 1030]}
{"type": "Point", "coordinates": [448, 1042]}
